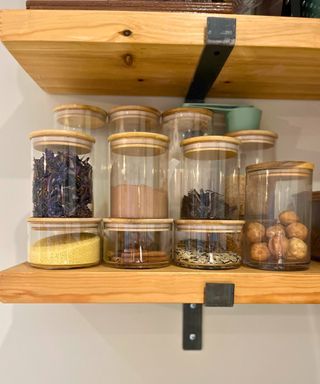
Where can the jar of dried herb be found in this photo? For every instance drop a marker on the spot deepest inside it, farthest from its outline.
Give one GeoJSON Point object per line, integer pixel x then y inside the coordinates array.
{"type": "Point", "coordinates": [62, 174]}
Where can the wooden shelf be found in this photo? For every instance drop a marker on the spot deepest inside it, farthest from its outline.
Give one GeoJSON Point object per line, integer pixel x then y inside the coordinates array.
{"type": "Point", "coordinates": [24, 284]}
{"type": "Point", "coordinates": [87, 52]}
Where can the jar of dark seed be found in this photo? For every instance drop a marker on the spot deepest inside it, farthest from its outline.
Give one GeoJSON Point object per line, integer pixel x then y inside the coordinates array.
{"type": "Point", "coordinates": [62, 174]}
{"type": "Point", "coordinates": [210, 181]}
{"type": "Point", "coordinates": [79, 117]}
{"type": "Point", "coordinates": [208, 244]}
{"type": "Point", "coordinates": [179, 124]}
{"type": "Point", "coordinates": [137, 243]}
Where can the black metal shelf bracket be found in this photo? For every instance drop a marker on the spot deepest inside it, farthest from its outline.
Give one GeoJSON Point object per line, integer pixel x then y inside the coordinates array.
{"type": "Point", "coordinates": [215, 295]}
{"type": "Point", "coordinates": [220, 40]}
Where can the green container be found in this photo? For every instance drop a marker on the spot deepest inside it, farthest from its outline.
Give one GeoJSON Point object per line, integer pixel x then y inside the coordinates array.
{"type": "Point", "coordinates": [310, 8]}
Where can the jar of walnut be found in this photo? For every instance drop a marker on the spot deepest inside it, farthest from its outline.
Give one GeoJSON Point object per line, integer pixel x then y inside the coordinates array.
{"type": "Point", "coordinates": [278, 223]}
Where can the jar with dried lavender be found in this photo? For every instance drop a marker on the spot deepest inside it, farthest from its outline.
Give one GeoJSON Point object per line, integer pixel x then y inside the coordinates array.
{"type": "Point", "coordinates": [62, 174]}
{"type": "Point", "coordinates": [210, 181]}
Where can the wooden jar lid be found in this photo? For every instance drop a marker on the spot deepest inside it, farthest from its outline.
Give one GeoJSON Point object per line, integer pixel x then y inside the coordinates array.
{"type": "Point", "coordinates": [49, 224]}
{"type": "Point", "coordinates": [75, 115]}
{"type": "Point", "coordinates": [134, 108]}
{"type": "Point", "coordinates": [138, 225]}
{"type": "Point", "coordinates": [316, 196]}
{"type": "Point", "coordinates": [267, 138]}
{"type": "Point", "coordinates": [176, 111]}
{"type": "Point", "coordinates": [281, 165]}
{"type": "Point", "coordinates": [212, 226]}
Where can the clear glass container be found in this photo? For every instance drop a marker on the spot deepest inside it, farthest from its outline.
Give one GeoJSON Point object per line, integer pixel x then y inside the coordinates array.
{"type": "Point", "coordinates": [278, 215]}
{"type": "Point", "coordinates": [64, 243]}
{"type": "Point", "coordinates": [79, 117]}
{"type": "Point", "coordinates": [139, 184]}
{"type": "Point", "coordinates": [315, 232]}
{"type": "Point", "coordinates": [210, 182]}
{"type": "Point", "coordinates": [256, 146]}
{"type": "Point", "coordinates": [208, 244]}
{"type": "Point", "coordinates": [179, 124]}
{"type": "Point", "coordinates": [62, 174]}
{"type": "Point", "coordinates": [134, 118]}
{"type": "Point", "coordinates": [137, 243]}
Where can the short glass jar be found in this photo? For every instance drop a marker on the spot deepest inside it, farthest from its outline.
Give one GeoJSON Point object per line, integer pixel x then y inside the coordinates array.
{"type": "Point", "coordinates": [278, 215]}
{"type": "Point", "coordinates": [137, 243]}
{"type": "Point", "coordinates": [208, 244]}
{"type": "Point", "coordinates": [210, 182]}
{"type": "Point", "coordinates": [79, 117]}
{"type": "Point", "coordinates": [256, 146]}
{"type": "Point", "coordinates": [64, 243]}
{"type": "Point", "coordinates": [62, 180]}
{"type": "Point", "coordinates": [315, 233]}
{"type": "Point", "coordinates": [179, 124]}
{"type": "Point", "coordinates": [134, 118]}
{"type": "Point", "coordinates": [139, 184]}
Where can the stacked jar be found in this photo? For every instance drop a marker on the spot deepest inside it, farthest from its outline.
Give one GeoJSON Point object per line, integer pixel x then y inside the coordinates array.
{"type": "Point", "coordinates": [62, 231]}
{"type": "Point", "coordinates": [138, 234]}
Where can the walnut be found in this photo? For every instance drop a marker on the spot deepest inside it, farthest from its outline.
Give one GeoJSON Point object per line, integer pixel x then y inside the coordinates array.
{"type": "Point", "coordinates": [259, 252]}
{"type": "Point", "coordinates": [297, 250]}
{"type": "Point", "coordinates": [255, 232]}
{"type": "Point", "coordinates": [278, 245]}
{"type": "Point", "coordinates": [288, 217]}
{"type": "Point", "coordinates": [298, 230]}
{"type": "Point", "coordinates": [277, 229]}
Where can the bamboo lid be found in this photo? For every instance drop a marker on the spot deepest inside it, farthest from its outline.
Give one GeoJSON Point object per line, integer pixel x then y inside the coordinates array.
{"type": "Point", "coordinates": [316, 196]}
{"type": "Point", "coordinates": [138, 225]}
{"type": "Point", "coordinates": [267, 138]}
{"type": "Point", "coordinates": [137, 221]}
{"type": "Point", "coordinates": [63, 220]}
{"type": "Point", "coordinates": [199, 111]}
{"type": "Point", "coordinates": [279, 165]}
{"type": "Point", "coordinates": [212, 226]}
{"type": "Point", "coordinates": [73, 115]}
{"type": "Point", "coordinates": [134, 108]}
{"type": "Point", "coordinates": [61, 133]}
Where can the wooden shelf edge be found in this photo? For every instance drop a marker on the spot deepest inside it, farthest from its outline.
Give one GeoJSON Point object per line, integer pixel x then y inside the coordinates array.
{"type": "Point", "coordinates": [24, 284]}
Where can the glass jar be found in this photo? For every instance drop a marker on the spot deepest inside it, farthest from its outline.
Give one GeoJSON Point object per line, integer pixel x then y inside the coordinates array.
{"type": "Point", "coordinates": [256, 146]}
{"type": "Point", "coordinates": [62, 184]}
{"type": "Point", "coordinates": [208, 244]}
{"type": "Point", "coordinates": [315, 232]}
{"type": "Point", "coordinates": [79, 117]}
{"type": "Point", "coordinates": [64, 243]}
{"type": "Point", "coordinates": [139, 186]}
{"type": "Point", "coordinates": [210, 182]}
{"type": "Point", "coordinates": [137, 243]}
{"type": "Point", "coordinates": [179, 124]}
{"type": "Point", "coordinates": [278, 215]}
{"type": "Point", "coordinates": [134, 118]}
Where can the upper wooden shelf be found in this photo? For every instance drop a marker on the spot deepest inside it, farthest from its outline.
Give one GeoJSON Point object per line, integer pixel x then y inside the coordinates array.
{"type": "Point", "coordinates": [152, 53]}
{"type": "Point", "coordinates": [24, 284]}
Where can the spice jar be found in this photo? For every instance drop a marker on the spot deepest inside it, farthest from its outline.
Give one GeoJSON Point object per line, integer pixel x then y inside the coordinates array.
{"type": "Point", "coordinates": [137, 243]}
{"type": "Point", "coordinates": [134, 118]}
{"type": "Point", "coordinates": [278, 215]}
{"type": "Point", "coordinates": [79, 117]}
{"type": "Point", "coordinates": [210, 179]}
{"type": "Point", "coordinates": [179, 124]}
{"type": "Point", "coordinates": [256, 146]}
{"type": "Point", "coordinates": [62, 183]}
{"type": "Point", "coordinates": [139, 187]}
{"type": "Point", "coordinates": [315, 232]}
{"type": "Point", "coordinates": [208, 244]}
{"type": "Point", "coordinates": [64, 243]}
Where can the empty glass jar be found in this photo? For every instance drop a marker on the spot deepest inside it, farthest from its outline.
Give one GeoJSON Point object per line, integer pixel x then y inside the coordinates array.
{"type": "Point", "coordinates": [278, 215]}
{"type": "Point", "coordinates": [137, 243]}
{"type": "Point", "coordinates": [62, 180]}
{"type": "Point", "coordinates": [64, 243]}
{"type": "Point", "coordinates": [134, 118]}
{"type": "Point", "coordinates": [139, 185]}
{"type": "Point", "coordinates": [210, 182]}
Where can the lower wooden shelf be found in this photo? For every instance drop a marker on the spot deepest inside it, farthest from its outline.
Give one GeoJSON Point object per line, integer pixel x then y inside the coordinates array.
{"type": "Point", "coordinates": [24, 284]}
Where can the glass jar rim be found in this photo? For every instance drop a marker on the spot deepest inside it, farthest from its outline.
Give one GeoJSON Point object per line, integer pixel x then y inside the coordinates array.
{"type": "Point", "coordinates": [255, 136]}
{"type": "Point", "coordinates": [134, 108]}
{"type": "Point", "coordinates": [63, 224]}
{"type": "Point", "coordinates": [297, 166]}
{"type": "Point", "coordinates": [137, 225]}
{"type": "Point", "coordinates": [62, 133]}
{"type": "Point", "coordinates": [84, 107]}
{"type": "Point", "coordinates": [210, 225]}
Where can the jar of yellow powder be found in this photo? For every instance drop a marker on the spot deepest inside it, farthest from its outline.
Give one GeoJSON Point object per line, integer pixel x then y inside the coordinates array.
{"type": "Point", "coordinates": [64, 243]}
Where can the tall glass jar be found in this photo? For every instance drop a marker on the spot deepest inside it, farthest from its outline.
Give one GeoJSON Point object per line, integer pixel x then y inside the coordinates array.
{"type": "Point", "coordinates": [256, 146]}
{"type": "Point", "coordinates": [315, 233]}
{"type": "Point", "coordinates": [179, 124]}
{"type": "Point", "coordinates": [64, 243]}
{"type": "Point", "coordinates": [134, 118]}
{"type": "Point", "coordinates": [137, 243]}
{"type": "Point", "coordinates": [62, 168]}
{"type": "Point", "coordinates": [210, 182]}
{"type": "Point", "coordinates": [139, 184]}
{"type": "Point", "coordinates": [79, 117]}
{"type": "Point", "coordinates": [278, 215]}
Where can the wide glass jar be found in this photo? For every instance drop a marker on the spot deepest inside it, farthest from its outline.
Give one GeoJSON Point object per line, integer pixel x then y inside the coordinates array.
{"type": "Point", "coordinates": [179, 124]}
{"type": "Point", "coordinates": [315, 233]}
{"type": "Point", "coordinates": [210, 182]}
{"type": "Point", "coordinates": [79, 117]}
{"type": "Point", "coordinates": [137, 243]}
{"type": "Point", "coordinates": [256, 146]}
{"type": "Point", "coordinates": [139, 184]}
{"type": "Point", "coordinates": [208, 244]}
{"type": "Point", "coordinates": [64, 243]}
{"type": "Point", "coordinates": [278, 215]}
{"type": "Point", "coordinates": [62, 180]}
{"type": "Point", "coordinates": [134, 118]}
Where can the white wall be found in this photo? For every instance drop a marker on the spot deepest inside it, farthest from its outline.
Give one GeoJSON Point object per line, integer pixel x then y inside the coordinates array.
{"type": "Point", "coordinates": [81, 344]}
